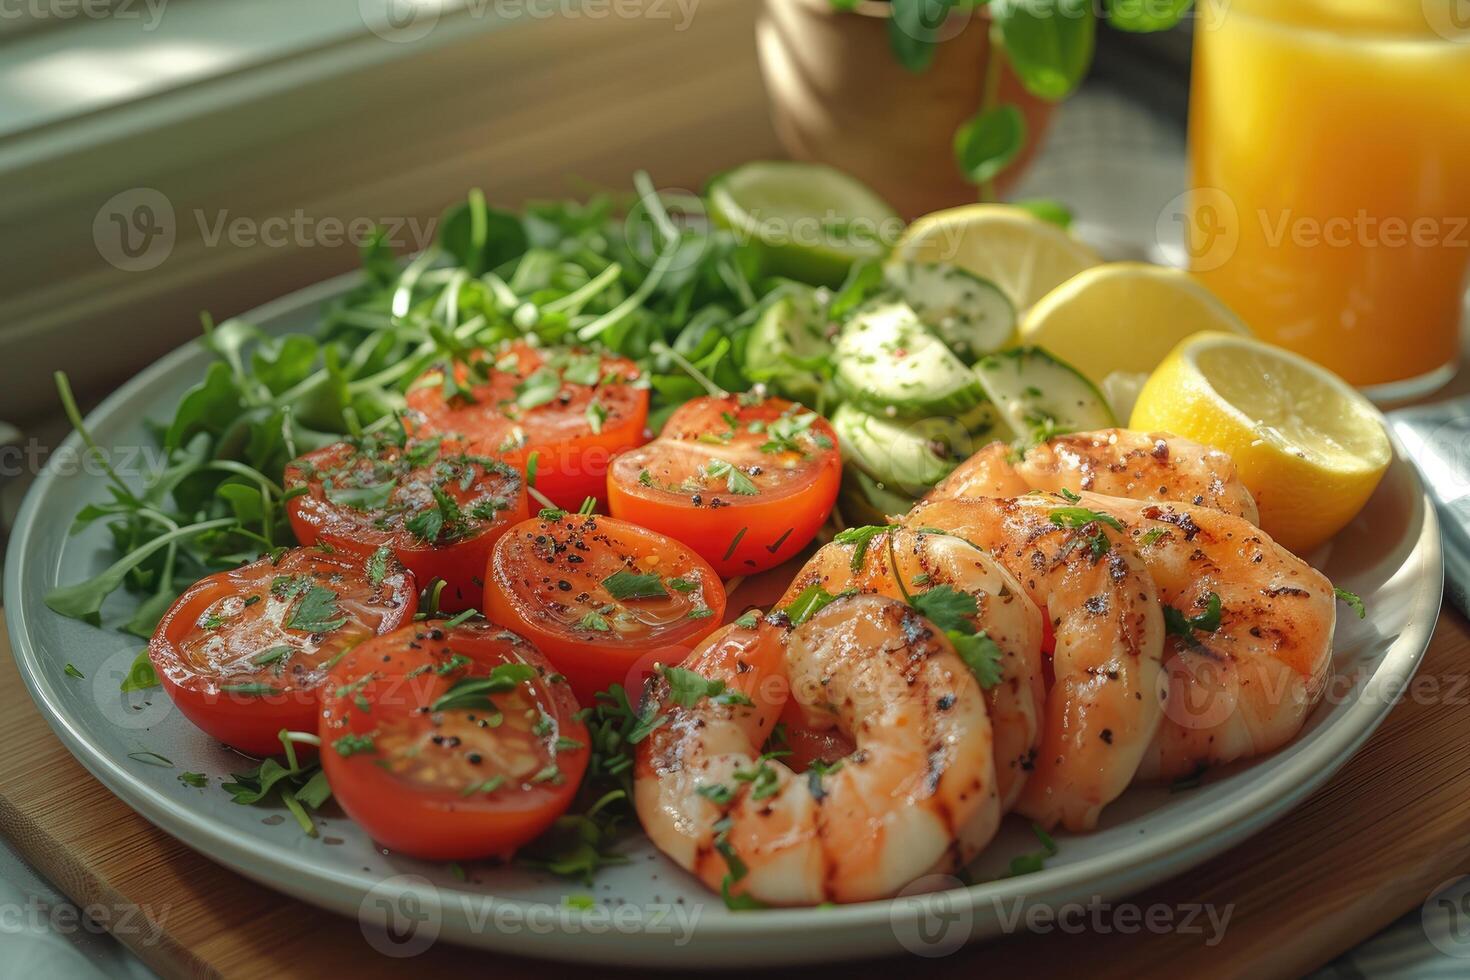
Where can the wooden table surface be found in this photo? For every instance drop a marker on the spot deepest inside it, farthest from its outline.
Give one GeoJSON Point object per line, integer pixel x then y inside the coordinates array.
{"type": "Point", "coordinates": [1369, 846]}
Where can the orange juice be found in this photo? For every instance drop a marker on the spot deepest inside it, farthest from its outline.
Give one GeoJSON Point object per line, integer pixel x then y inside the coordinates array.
{"type": "Point", "coordinates": [1330, 202]}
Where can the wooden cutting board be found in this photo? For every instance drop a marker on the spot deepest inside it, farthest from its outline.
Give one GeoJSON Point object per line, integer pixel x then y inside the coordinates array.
{"type": "Point", "coordinates": [1371, 845]}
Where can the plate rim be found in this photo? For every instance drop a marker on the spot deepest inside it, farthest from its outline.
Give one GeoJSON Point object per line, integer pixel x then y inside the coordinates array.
{"type": "Point", "coordinates": [1168, 852]}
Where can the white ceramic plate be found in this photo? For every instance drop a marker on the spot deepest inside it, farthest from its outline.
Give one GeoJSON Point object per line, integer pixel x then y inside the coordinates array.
{"type": "Point", "coordinates": [649, 911]}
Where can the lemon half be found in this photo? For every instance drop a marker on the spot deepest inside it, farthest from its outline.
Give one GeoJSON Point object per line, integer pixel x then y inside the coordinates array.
{"type": "Point", "coordinates": [1124, 316]}
{"type": "Point", "coordinates": [1023, 255]}
{"type": "Point", "coordinates": [1307, 445]}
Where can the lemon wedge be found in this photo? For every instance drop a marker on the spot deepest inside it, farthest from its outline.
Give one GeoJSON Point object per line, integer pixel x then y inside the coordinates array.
{"type": "Point", "coordinates": [1309, 446]}
{"type": "Point", "coordinates": [1124, 317]}
{"type": "Point", "coordinates": [1023, 255]}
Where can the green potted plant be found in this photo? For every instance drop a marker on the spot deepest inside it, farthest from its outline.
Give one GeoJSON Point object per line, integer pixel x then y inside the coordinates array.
{"type": "Point", "coordinates": [928, 100]}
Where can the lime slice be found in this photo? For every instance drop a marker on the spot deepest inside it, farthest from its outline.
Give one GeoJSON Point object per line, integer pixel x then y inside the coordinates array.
{"type": "Point", "coordinates": [1124, 317]}
{"type": "Point", "coordinates": [811, 221]}
{"type": "Point", "coordinates": [1023, 255]}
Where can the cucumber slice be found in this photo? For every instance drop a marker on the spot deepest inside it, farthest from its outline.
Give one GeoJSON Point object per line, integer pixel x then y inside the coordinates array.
{"type": "Point", "coordinates": [862, 500]}
{"type": "Point", "coordinates": [970, 314]}
{"type": "Point", "coordinates": [786, 343]}
{"type": "Point", "coordinates": [909, 456]}
{"type": "Point", "coordinates": [1039, 396]}
{"type": "Point", "coordinates": [888, 363]}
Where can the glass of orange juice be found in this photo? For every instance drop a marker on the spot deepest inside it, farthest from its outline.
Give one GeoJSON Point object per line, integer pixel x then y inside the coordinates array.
{"type": "Point", "coordinates": [1330, 201]}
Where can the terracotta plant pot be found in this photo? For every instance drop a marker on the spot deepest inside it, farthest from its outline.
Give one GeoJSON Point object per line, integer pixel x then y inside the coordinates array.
{"type": "Point", "coordinates": [839, 96]}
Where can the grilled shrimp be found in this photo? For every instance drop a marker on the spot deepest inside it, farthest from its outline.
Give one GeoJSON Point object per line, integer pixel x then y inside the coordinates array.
{"type": "Point", "coordinates": [1003, 611]}
{"type": "Point", "coordinates": [1251, 640]}
{"type": "Point", "coordinates": [1119, 462]}
{"type": "Point", "coordinates": [1103, 706]}
{"type": "Point", "coordinates": [916, 795]}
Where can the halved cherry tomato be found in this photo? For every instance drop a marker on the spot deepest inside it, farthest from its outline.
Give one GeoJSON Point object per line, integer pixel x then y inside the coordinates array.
{"type": "Point", "coordinates": [451, 744]}
{"type": "Point", "coordinates": [572, 410]}
{"type": "Point", "coordinates": [745, 484]}
{"type": "Point", "coordinates": [602, 598]}
{"type": "Point", "coordinates": [439, 508]}
{"type": "Point", "coordinates": [243, 653]}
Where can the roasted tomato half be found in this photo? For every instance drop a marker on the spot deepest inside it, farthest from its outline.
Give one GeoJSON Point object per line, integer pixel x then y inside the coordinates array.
{"type": "Point", "coordinates": [437, 507]}
{"type": "Point", "coordinates": [568, 410]}
{"type": "Point", "coordinates": [243, 653]}
{"type": "Point", "coordinates": [602, 598]}
{"type": "Point", "coordinates": [745, 484]}
{"type": "Point", "coordinates": [451, 744]}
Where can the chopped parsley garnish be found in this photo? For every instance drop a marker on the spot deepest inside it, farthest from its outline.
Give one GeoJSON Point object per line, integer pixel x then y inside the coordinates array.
{"type": "Point", "coordinates": [272, 655]}
{"type": "Point", "coordinates": [682, 584]}
{"type": "Point", "coordinates": [1152, 536]}
{"type": "Point", "coordinates": [717, 793]}
{"type": "Point", "coordinates": [623, 585]}
{"type": "Point", "coordinates": [195, 779]}
{"type": "Point", "coordinates": [71, 671]}
{"type": "Point", "coordinates": [353, 744]}
{"type": "Point", "coordinates": [369, 496]}
{"type": "Point", "coordinates": [749, 620]}
{"type": "Point", "coordinates": [442, 522]}
{"type": "Point", "coordinates": [422, 452]}
{"type": "Point", "coordinates": [735, 478]}
{"type": "Point", "coordinates": [593, 621]}
{"type": "Point", "coordinates": [596, 415]}
{"type": "Point", "coordinates": [538, 389]}
{"type": "Point", "coordinates": [1178, 624]}
{"type": "Point", "coordinates": [470, 693]}
{"type": "Point", "coordinates": [860, 538]}
{"type": "Point", "coordinates": [764, 780]}
{"type": "Point", "coordinates": [251, 690]}
{"type": "Point", "coordinates": [1354, 601]}
{"type": "Point", "coordinates": [950, 610]}
{"type": "Point", "coordinates": [1081, 518]}
{"type": "Point", "coordinates": [782, 433]}
{"type": "Point", "coordinates": [317, 611]}
{"type": "Point", "coordinates": [687, 688]}
{"type": "Point", "coordinates": [1031, 863]}
{"type": "Point", "coordinates": [377, 565]}
{"type": "Point", "coordinates": [581, 369]}
{"type": "Point", "coordinates": [810, 601]}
